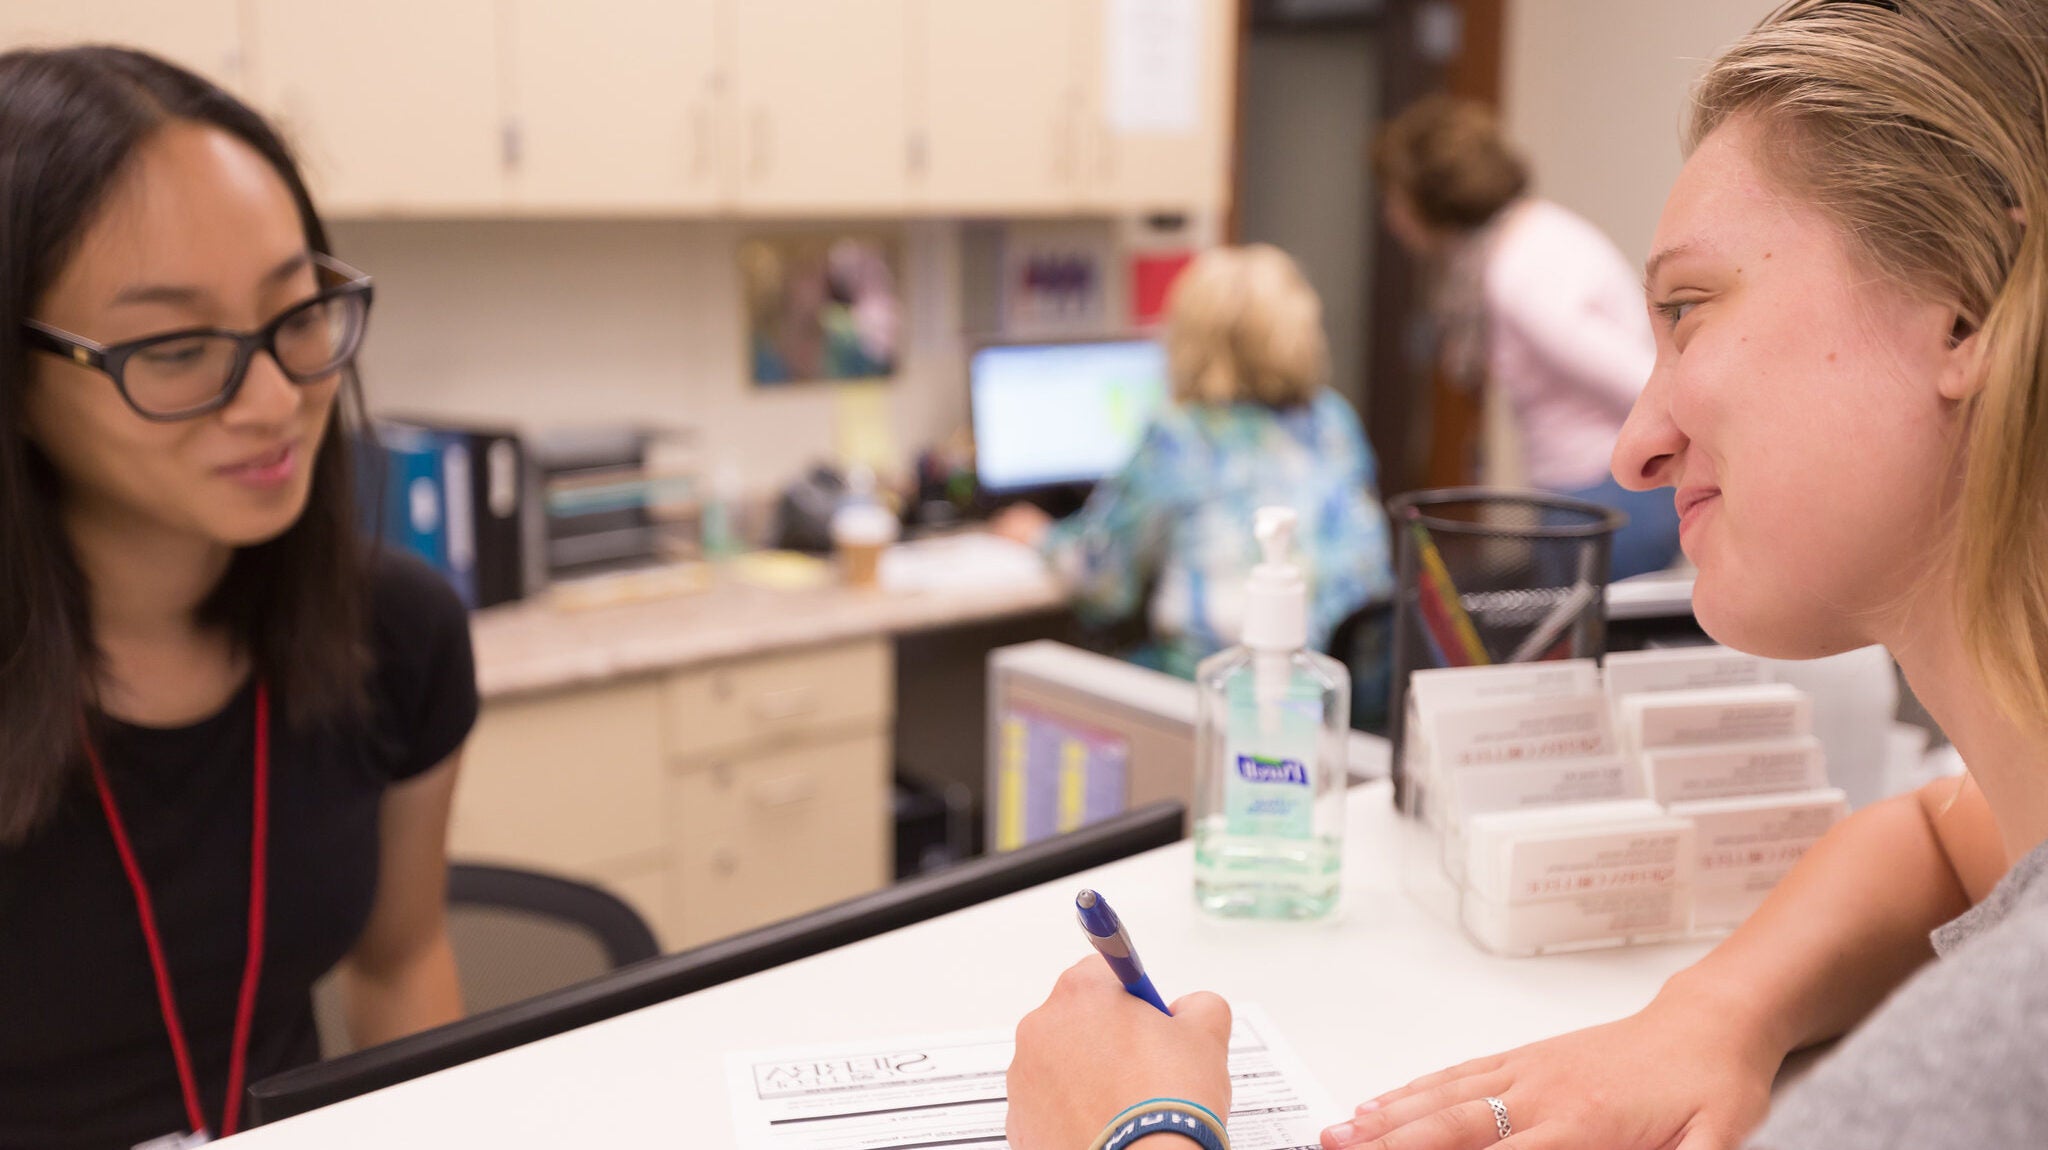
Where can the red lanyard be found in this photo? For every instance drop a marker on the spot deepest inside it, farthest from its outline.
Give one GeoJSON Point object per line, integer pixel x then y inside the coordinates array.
{"type": "Point", "coordinates": [245, 1011]}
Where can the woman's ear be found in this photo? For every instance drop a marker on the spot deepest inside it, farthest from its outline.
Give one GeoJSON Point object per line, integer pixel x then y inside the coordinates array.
{"type": "Point", "coordinates": [1964, 370]}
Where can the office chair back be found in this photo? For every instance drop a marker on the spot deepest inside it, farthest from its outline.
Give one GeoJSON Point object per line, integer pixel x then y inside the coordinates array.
{"type": "Point", "coordinates": [671, 976]}
{"type": "Point", "coordinates": [517, 934]}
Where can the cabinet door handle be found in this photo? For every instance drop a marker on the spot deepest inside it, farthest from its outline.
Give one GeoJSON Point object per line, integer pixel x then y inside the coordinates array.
{"type": "Point", "coordinates": [509, 144]}
{"type": "Point", "coordinates": [786, 704]}
{"type": "Point", "coordinates": [764, 138]}
{"type": "Point", "coordinates": [700, 139]}
{"type": "Point", "coordinates": [1066, 130]}
{"type": "Point", "coordinates": [787, 791]}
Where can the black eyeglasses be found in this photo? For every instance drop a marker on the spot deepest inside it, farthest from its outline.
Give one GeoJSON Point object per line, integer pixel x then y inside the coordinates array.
{"type": "Point", "coordinates": [183, 374]}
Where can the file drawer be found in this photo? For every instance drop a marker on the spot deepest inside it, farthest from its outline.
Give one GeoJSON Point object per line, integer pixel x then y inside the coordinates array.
{"type": "Point", "coordinates": [772, 700]}
{"type": "Point", "coordinates": [778, 834]}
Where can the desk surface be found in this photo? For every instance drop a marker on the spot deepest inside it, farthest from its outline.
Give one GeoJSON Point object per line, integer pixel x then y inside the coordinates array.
{"type": "Point", "coordinates": [535, 646]}
{"type": "Point", "coordinates": [1378, 996]}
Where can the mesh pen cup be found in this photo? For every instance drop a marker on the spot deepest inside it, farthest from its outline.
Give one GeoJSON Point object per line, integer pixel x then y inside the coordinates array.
{"type": "Point", "coordinates": [1489, 576]}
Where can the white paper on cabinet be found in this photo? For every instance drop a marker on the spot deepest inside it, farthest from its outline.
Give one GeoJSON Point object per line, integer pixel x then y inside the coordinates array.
{"type": "Point", "coordinates": [1153, 66]}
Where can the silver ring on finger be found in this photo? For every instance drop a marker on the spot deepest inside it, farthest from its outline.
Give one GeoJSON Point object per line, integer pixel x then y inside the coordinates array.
{"type": "Point", "coordinates": [1500, 1117]}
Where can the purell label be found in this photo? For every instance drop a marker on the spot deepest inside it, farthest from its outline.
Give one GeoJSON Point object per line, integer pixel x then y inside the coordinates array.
{"type": "Point", "coordinates": [1270, 790]}
{"type": "Point", "coordinates": [1255, 769]}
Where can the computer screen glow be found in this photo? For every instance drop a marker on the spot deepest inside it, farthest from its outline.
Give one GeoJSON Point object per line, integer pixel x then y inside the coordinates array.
{"type": "Point", "coordinates": [1055, 413]}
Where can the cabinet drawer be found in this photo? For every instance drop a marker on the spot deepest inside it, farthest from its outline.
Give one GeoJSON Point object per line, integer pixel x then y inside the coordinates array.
{"type": "Point", "coordinates": [569, 782]}
{"type": "Point", "coordinates": [768, 837]}
{"type": "Point", "coordinates": [753, 702]}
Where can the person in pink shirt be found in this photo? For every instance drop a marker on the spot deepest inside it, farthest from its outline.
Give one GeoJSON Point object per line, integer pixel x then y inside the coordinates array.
{"type": "Point", "coordinates": [1533, 297]}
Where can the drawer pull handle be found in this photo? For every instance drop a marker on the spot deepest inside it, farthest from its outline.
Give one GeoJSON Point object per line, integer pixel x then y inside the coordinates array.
{"type": "Point", "coordinates": [780, 706]}
{"type": "Point", "coordinates": [787, 791]}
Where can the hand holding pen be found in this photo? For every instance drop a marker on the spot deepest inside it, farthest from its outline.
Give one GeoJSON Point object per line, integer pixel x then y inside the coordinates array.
{"type": "Point", "coordinates": [1090, 1051]}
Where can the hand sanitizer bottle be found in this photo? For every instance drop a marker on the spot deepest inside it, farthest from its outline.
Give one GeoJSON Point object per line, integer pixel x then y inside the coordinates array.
{"type": "Point", "coordinates": [1270, 767]}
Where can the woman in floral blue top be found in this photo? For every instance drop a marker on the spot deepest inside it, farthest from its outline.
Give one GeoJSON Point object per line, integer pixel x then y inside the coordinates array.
{"type": "Point", "coordinates": [1252, 425]}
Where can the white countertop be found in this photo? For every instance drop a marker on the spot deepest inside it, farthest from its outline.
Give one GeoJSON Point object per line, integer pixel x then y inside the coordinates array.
{"type": "Point", "coordinates": [1379, 995]}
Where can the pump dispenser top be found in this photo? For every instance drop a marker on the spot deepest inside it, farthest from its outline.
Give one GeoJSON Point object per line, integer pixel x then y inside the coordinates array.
{"type": "Point", "coordinates": [1276, 596]}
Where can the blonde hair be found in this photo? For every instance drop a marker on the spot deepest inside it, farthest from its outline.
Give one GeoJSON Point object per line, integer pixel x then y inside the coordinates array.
{"type": "Point", "coordinates": [1242, 324]}
{"type": "Point", "coordinates": [1921, 127]}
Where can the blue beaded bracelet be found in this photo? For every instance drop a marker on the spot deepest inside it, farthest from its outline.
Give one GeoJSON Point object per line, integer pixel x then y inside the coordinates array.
{"type": "Point", "coordinates": [1187, 1121]}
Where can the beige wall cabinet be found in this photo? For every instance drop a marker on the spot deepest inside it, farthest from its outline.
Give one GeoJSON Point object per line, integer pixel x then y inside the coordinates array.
{"type": "Point", "coordinates": [203, 35]}
{"type": "Point", "coordinates": [1017, 112]}
{"type": "Point", "coordinates": [820, 105]}
{"type": "Point", "coordinates": [1164, 160]}
{"type": "Point", "coordinates": [712, 799]}
{"type": "Point", "coordinates": [712, 107]}
{"type": "Point", "coordinates": [1001, 107]}
{"type": "Point", "coordinates": [395, 106]}
{"type": "Point", "coordinates": [614, 105]}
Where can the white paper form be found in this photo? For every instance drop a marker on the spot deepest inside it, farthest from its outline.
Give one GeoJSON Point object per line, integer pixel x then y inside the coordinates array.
{"type": "Point", "coordinates": [948, 1091]}
{"type": "Point", "coordinates": [1154, 66]}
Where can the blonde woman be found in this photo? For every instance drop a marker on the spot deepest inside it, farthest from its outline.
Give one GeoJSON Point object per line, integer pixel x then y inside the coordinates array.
{"type": "Point", "coordinates": [1252, 425]}
{"type": "Point", "coordinates": [1850, 285]}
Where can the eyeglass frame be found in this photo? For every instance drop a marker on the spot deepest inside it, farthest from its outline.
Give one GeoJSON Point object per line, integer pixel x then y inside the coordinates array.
{"type": "Point", "coordinates": [111, 359]}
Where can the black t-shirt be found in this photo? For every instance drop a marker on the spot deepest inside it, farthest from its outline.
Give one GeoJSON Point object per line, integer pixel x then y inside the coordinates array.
{"type": "Point", "coordinates": [84, 1058]}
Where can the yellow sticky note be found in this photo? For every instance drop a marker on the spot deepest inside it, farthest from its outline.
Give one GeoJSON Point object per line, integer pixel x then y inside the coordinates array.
{"type": "Point", "coordinates": [860, 417]}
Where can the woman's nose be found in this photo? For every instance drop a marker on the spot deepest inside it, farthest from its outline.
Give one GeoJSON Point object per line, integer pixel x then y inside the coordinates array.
{"type": "Point", "coordinates": [1646, 453]}
{"type": "Point", "coordinates": [266, 396]}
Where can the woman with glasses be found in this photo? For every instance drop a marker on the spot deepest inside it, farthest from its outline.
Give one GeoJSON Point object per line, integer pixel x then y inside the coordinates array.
{"type": "Point", "coordinates": [228, 730]}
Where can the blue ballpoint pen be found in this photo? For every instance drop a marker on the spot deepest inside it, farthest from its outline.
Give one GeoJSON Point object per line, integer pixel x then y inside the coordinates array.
{"type": "Point", "coordinates": [1106, 932]}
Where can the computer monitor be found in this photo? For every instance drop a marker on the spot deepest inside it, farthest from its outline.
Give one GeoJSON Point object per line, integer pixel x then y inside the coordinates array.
{"type": "Point", "coordinates": [1055, 414]}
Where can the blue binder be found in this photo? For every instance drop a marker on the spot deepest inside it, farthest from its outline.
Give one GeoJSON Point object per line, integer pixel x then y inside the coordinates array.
{"type": "Point", "coordinates": [415, 508]}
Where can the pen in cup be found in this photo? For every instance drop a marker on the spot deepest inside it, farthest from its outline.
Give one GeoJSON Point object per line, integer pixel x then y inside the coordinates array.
{"type": "Point", "coordinates": [1107, 934]}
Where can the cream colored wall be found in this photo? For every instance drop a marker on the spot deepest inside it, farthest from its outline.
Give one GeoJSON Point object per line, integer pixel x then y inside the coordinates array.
{"type": "Point", "coordinates": [1596, 91]}
{"type": "Point", "coordinates": [538, 323]}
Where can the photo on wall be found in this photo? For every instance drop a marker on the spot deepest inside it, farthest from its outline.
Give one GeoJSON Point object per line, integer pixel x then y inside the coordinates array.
{"type": "Point", "coordinates": [822, 306]}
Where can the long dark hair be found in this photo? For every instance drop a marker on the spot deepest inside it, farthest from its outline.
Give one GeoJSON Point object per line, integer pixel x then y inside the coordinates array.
{"type": "Point", "coordinates": [70, 123]}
